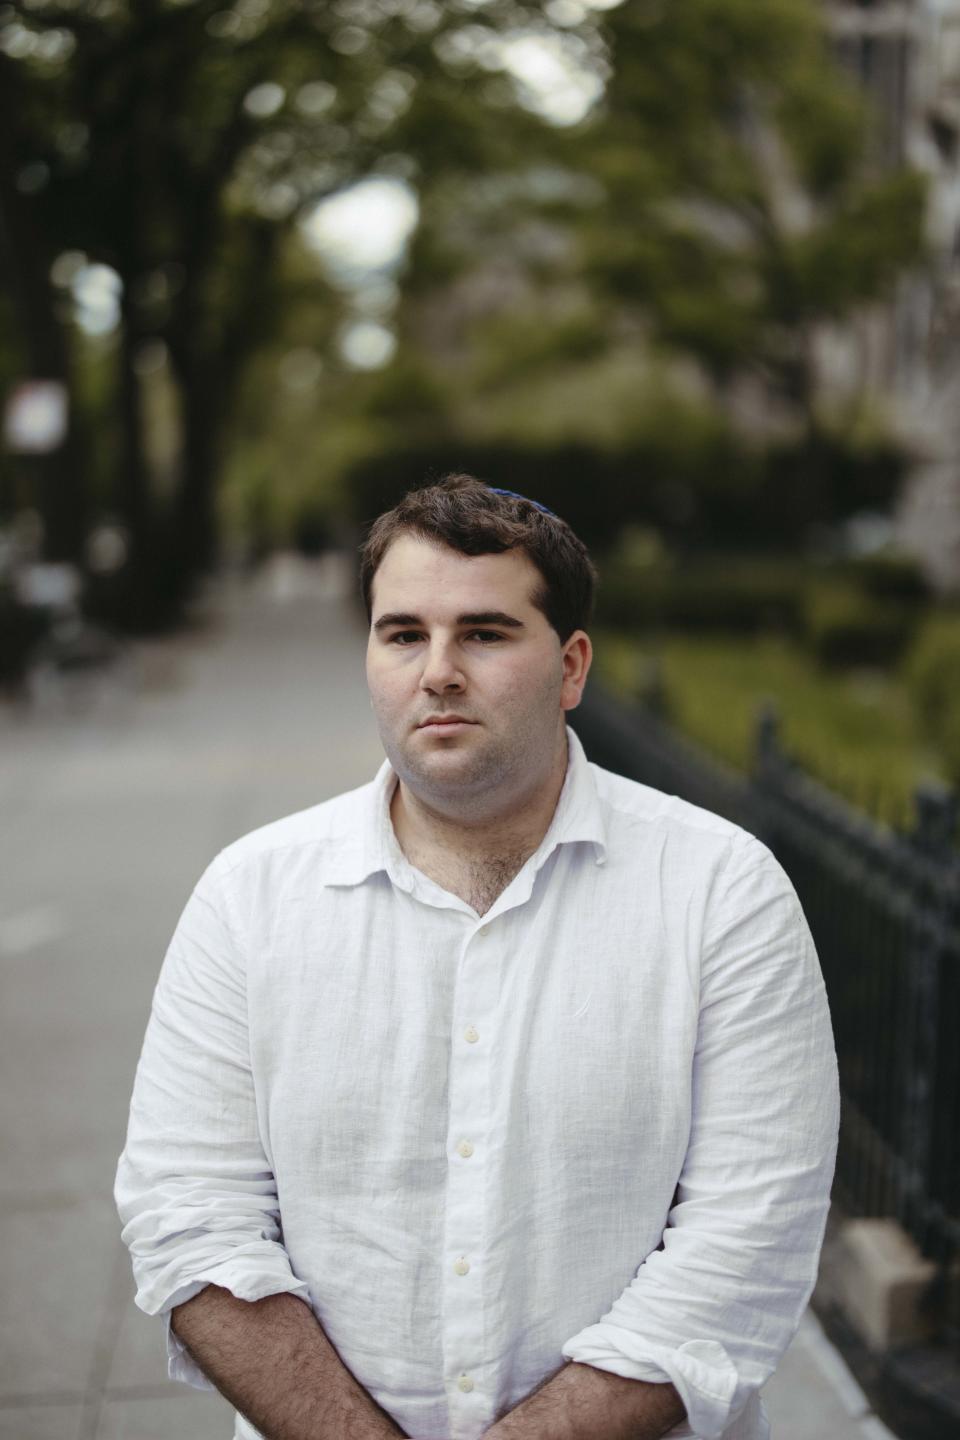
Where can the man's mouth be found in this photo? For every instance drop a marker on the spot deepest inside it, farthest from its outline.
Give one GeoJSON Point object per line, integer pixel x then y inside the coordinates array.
{"type": "Point", "coordinates": [445, 723]}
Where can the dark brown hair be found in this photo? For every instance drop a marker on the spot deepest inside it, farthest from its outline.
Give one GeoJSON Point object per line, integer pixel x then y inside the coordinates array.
{"type": "Point", "coordinates": [465, 514]}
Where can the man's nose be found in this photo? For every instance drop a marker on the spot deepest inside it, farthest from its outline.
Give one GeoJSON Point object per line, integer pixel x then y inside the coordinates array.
{"type": "Point", "coordinates": [441, 670]}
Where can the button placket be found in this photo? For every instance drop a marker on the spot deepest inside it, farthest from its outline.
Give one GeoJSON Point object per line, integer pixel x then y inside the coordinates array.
{"type": "Point", "coordinates": [477, 986]}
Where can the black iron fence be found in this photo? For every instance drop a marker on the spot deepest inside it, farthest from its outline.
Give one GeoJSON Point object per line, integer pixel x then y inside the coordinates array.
{"type": "Point", "coordinates": [884, 909]}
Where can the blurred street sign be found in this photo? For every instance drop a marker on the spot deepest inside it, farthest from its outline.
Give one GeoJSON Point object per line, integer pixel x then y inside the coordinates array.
{"type": "Point", "coordinates": [35, 418]}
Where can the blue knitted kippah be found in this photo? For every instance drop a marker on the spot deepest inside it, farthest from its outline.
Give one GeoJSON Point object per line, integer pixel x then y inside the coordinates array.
{"type": "Point", "coordinates": [512, 494]}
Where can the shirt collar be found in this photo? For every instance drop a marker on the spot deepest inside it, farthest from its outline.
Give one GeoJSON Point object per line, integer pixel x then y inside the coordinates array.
{"type": "Point", "coordinates": [578, 817]}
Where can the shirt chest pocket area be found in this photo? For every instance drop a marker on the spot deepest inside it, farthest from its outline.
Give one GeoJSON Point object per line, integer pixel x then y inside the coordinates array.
{"type": "Point", "coordinates": [346, 1077]}
{"type": "Point", "coordinates": [617, 1067]}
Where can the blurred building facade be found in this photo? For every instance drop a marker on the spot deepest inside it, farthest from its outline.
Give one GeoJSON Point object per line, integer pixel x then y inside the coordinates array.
{"type": "Point", "coordinates": [906, 55]}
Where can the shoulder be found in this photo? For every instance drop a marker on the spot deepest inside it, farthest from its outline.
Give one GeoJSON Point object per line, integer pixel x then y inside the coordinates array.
{"type": "Point", "coordinates": [630, 803]}
{"type": "Point", "coordinates": [700, 843]}
{"type": "Point", "coordinates": [715, 874]}
{"type": "Point", "coordinates": [333, 828]}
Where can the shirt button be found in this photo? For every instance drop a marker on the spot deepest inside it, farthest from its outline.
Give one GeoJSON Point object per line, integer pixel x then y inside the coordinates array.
{"type": "Point", "coordinates": [472, 1034]}
{"type": "Point", "coordinates": [484, 930]}
{"type": "Point", "coordinates": [462, 1266]}
{"type": "Point", "coordinates": [465, 1149]}
{"type": "Point", "coordinates": [465, 1384]}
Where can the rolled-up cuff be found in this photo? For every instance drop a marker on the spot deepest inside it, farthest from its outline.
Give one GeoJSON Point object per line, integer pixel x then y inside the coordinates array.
{"type": "Point", "coordinates": [701, 1371]}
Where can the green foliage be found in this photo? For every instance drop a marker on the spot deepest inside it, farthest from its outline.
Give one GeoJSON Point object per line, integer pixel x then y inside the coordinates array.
{"type": "Point", "coordinates": [708, 234]}
{"type": "Point", "coordinates": [856, 253]}
{"type": "Point", "coordinates": [179, 143]}
{"type": "Point", "coordinates": [860, 612]}
{"type": "Point", "coordinates": [410, 394]}
{"type": "Point", "coordinates": [581, 484]}
{"type": "Point", "coordinates": [815, 480]}
{"type": "Point", "coordinates": [845, 627]}
{"type": "Point", "coordinates": [864, 611]}
{"type": "Point", "coordinates": [948, 738]}
{"type": "Point", "coordinates": [617, 402]}
{"type": "Point", "coordinates": [509, 347]}
{"type": "Point", "coordinates": [886, 575]}
{"type": "Point", "coordinates": [824, 126]}
{"type": "Point", "coordinates": [751, 209]}
{"type": "Point", "coordinates": [720, 232]}
{"type": "Point", "coordinates": [673, 453]}
{"type": "Point", "coordinates": [738, 595]}
{"type": "Point", "coordinates": [932, 672]}
{"type": "Point", "coordinates": [859, 733]}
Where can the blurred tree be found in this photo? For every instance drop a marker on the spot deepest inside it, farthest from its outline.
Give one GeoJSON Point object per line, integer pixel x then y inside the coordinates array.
{"type": "Point", "coordinates": [745, 216]}
{"type": "Point", "coordinates": [177, 142]}
{"type": "Point", "coordinates": [42, 352]}
{"type": "Point", "coordinates": [685, 189]}
{"type": "Point", "coordinates": [715, 218]}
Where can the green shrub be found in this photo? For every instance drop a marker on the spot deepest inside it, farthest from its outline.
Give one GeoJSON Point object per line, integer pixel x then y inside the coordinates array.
{"type": "Point", "coordinates": [948, 738]}
{"type": "Point", "coordinates": [888, 577]}
{"type": "Point", "coordinates": [932, 674]}
{"type": "Point", "coordinates": [859, 735]}
{"type": "Point", "coordinates": [738, 596]}
{"type": "Point", "coordinates": [845, 626]}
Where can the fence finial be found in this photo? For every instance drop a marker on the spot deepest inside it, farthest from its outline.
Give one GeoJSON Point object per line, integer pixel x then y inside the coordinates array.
{"type": "Point", "coordinates": [649, 686]}
{"type": "Point", "coordinates": [936, 812]}
{"type": "Point", "coordinates": [766, 742]}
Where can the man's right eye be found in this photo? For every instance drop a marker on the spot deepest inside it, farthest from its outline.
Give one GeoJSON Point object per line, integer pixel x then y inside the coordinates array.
{"type": "Point", "coordinates": [404, 637]}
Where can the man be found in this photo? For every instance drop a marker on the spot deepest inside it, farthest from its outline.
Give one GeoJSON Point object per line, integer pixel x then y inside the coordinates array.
{"type": "Point", "coordinates": [497, 1097]}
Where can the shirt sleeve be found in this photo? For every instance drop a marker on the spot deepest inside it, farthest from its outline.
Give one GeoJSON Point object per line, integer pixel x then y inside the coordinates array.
{"type": "Point", "coordinates": [194, 1188]}
{"type": "Point", "coordinates": [715, 1307]}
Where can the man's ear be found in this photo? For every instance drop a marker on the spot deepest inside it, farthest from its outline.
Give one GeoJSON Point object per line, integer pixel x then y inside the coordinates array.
{"type": "Point", "coordinates": [576, 657]}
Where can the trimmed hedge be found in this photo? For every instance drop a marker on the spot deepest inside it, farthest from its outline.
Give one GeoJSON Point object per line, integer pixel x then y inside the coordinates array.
{"type": "Point", "coordinates": [864, 611]}
{"type": "Point", "coordinates": [849, 613]}
{"type": "Point", "coordinates": [932, 674]}
{"type": "Point", "coordinates": [886, 577]}
{"type": "Point", "coordinates": [845, 627]}
{"type": "Point", "coordinates": [744, 597]}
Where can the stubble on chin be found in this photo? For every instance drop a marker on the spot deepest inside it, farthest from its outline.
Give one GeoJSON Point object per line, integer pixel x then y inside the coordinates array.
{"type": "Point", "coordinates": [444, 775]}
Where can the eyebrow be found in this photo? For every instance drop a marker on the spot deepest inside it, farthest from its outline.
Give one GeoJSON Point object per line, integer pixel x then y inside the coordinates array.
{"type": "Point", "coordinates": [481, 617]}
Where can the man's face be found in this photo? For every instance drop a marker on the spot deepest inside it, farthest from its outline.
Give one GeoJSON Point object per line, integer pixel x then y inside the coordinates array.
{"type": "Point", "coordinates": [468, 680]}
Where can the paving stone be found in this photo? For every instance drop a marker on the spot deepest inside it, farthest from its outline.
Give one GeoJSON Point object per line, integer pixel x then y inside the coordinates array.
{"type": "Point", "coordinates": [801, 1403]}
{"type": "Point", "coordinates": [139, 1353]}
{"type": "Point", "coordinates": [268, 714]}
{"type": "Point", "coordinates": [59, 1259]}
{"type": "Point", "coordinates": [41, 1422]}
{"type": "Point", "coordinates": [192, 1415]}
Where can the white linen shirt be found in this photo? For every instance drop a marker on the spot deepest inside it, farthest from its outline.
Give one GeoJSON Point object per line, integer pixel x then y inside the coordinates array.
{"type": "Point", "coordinates": [597, 1123]}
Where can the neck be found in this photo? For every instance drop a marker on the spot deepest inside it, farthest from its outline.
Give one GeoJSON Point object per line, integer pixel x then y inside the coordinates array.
{"type": "Point", "coordinates": [483, 832]}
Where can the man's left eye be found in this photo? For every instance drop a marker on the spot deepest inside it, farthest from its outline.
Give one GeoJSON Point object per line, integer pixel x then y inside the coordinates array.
{"type": "Point", "coordinates": [486, 637]}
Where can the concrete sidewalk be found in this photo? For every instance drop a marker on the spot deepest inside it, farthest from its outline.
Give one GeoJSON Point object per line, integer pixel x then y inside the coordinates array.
{"type": "Point", "coordinates": [110, 816]}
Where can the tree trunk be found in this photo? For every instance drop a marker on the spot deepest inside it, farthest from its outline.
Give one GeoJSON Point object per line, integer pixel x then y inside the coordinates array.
{"type": "Point", "coordinates": [60, 485]}
{"type": "Point", "coordinates": [208, 361]}
{"type": "Point", "coordinates": [133, 479]}
{"type": "Point", "coordinates": [194, 520]}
